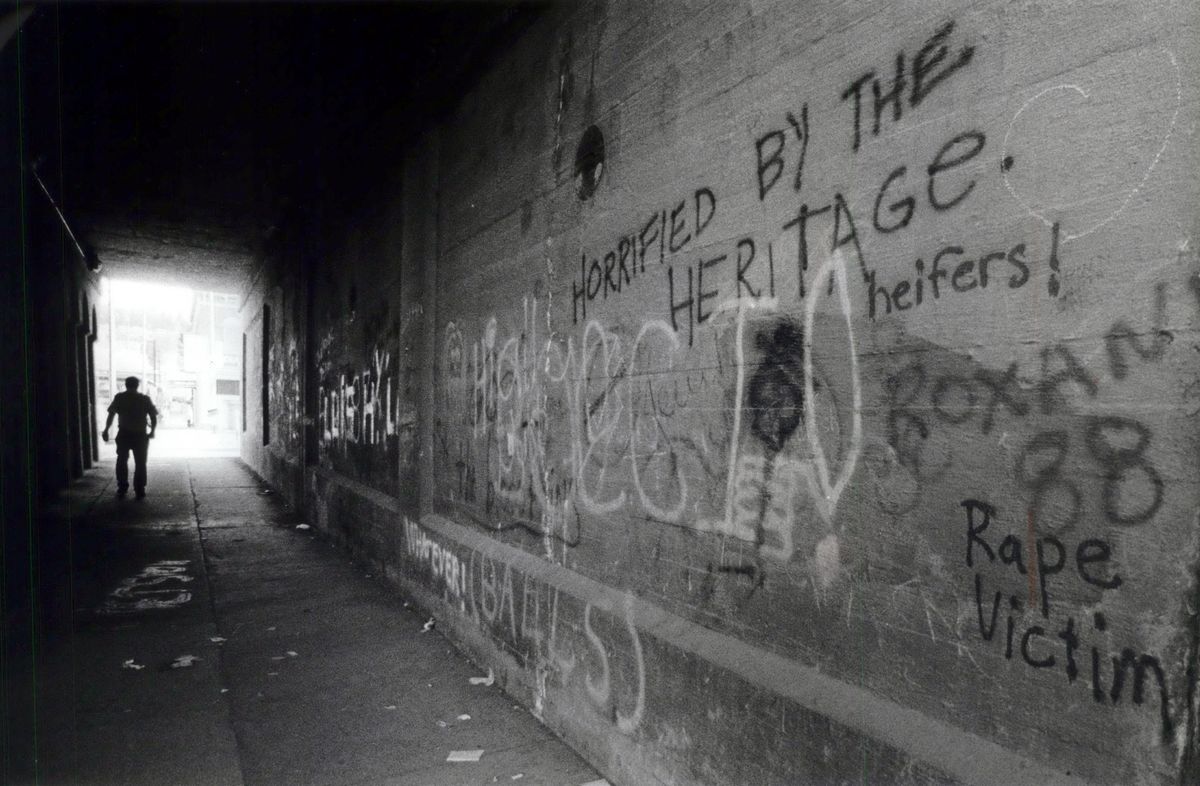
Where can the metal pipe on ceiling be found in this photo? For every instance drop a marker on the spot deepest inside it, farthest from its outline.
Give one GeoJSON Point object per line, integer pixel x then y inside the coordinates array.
{"type": "Point", "coordinates": [87, 253]}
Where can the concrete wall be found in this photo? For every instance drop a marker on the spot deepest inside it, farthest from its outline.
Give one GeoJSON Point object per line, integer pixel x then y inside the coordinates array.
{"type": "Point", "coordinates": [274, 340]}
{"type": "Point", "coordinates": [836, 422]}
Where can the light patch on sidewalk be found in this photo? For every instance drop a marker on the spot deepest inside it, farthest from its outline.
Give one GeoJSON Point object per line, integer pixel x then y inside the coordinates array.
{"type": "Point", "coordinates": [159, 585]}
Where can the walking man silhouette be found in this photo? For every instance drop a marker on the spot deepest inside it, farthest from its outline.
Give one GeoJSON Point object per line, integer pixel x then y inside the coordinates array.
{"type": "Point", "coordinates": [133, 410]}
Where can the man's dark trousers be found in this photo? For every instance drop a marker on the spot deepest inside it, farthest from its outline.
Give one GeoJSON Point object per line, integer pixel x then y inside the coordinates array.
{"type": "Point", "coordinates": [138, 444]}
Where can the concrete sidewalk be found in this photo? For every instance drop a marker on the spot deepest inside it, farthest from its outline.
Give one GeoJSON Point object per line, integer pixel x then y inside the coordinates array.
{"type": "Point", "coordinates": [199, 637]}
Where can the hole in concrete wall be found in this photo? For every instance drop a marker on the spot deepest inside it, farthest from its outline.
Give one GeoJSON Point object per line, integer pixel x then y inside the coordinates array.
{"type": "Point", "coordinates": [589, 162]}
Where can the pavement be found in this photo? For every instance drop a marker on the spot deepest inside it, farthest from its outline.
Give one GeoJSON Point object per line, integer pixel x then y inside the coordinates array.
{"type": "Point", "coordinates": [201, 637]}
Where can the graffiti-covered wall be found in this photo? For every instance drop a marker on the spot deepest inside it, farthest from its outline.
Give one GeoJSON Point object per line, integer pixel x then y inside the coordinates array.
{"type": "Point", "coordinates": [274, 327]}
{"type": "Point", "coordinates": [864, 341]}
{"type": "Point", "coordinates": [366, 418]}
{"type": "Point", "coordinates": [809, 389]}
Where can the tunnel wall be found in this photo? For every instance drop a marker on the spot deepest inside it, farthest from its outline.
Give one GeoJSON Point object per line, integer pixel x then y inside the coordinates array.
{"type": "Point", "coordinates": [48, 433]}
{"type": "Point", "coordinates": [274, 339]}
{"type": "Point", "coordinates": [795, 393]}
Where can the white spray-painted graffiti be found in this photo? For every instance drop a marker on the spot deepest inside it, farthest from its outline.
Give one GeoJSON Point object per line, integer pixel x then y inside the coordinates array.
{"type": "Point", "coordinates": [606, 657]}
{"type": "Point", "coordinates": [643, 432]}
{"type": "Point", "coordinates": [360, 408]}
{"type": "Point", "coordinates": [765, 475]}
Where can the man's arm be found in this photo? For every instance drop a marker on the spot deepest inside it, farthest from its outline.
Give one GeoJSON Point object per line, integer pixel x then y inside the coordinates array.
{"type": "Point", "coordinates": [108, 424]}
{"type": "Point", "coordinates": [152, 411]}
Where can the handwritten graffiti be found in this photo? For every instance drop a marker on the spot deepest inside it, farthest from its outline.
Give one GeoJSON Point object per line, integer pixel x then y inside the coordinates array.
{"type": "Point", "coordinates": [669, 231]}
{"type": "Point", "coordinates": [599, 650]}
{"type": "Point", "coordinates": [617, 448]}
{"type": "Point", "coordinates": [1043, 561]}
{"type": "Point", "coordinates": [360, 407]}
{"type": "Point", "coordinates": [972, 398]}
{"type": "Point", "coordinates": [284, 392]}
{"type": "Point", "coordinates": [633, 437]}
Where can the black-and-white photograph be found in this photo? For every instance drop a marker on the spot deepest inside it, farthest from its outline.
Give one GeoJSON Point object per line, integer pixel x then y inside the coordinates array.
{"type": "Point", "coordinates": [600, 393]}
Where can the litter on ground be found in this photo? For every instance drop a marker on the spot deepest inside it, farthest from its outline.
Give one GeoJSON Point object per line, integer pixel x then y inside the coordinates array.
{"type": "Point", "coordinates": [488, 680]}
{"type": "Point", "coordinates": [428, 626]}
{"type": "Point", "coordinates": [184, 662]}
{"type": "Point", "coordinates": [129, 664]}
{"type": "Point", "coordinates": [464, 755]}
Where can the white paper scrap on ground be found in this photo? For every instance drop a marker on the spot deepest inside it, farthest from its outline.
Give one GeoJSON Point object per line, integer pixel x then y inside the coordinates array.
{"type": "Point", "coordinates": [216, 639]}
{"type": "Point", "coordinates": [303, 526]}
{"type": "Point", "coordinates": [488, 680]}
{"type": "Point", "coordinates": [389, 706]}
{"type": "Point", "coordinates": [293, 654]}
{"type": "Point", "coordinates": [184, 662]}
{"type": "Point", "coordinates": [517, 777]}
{"type": "Point", "coordinates": [129, 664]}
{"type": "Point", "coordinates": [428, 626]}
{"type": "Point", "coordinates": [464, 717]}
{"type": "Point", "coordinates": [464, 755]}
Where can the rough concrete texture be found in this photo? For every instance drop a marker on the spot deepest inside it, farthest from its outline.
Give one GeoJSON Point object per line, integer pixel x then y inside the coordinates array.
{"type": "Point", "coordinates": [305, 670]}
{"type": "Point", "coordinates": [809, 389]}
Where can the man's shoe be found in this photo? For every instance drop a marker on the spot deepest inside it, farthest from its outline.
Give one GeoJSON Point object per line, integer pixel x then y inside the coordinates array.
{"type": "Point", "coordinates": [141, 493]}
{"type": "Point", "coordinates": [121, 493]}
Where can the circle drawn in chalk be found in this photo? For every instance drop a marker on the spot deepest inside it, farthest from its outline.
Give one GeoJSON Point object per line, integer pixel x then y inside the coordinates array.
{"type": "Point", "coordinates": [1086, 154]}
{"type": "Point", "coordinates": [589, 162]}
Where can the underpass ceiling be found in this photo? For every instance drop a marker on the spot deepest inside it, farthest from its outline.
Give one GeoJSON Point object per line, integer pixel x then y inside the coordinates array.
{"type": "Point", "coordinates": [183, 254]}
{"type": "Point", "coordinates": [188, 130]}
